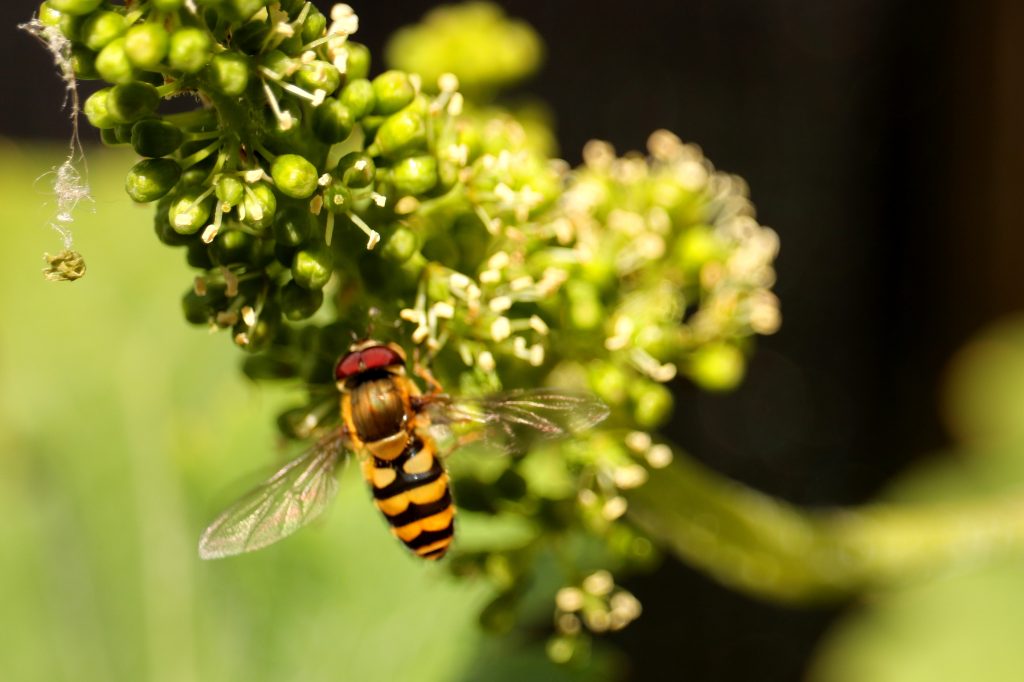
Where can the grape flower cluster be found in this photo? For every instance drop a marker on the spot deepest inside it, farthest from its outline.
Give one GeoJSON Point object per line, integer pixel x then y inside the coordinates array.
{"type": "Point", "coordinates": [315, 202]}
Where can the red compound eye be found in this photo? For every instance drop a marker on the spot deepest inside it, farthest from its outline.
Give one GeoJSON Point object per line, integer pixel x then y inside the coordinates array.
{"type": "Point", "coordinates": [381, 356]}
{"type": "Point", "coordinates": [374, 357]}
{"type": "Point", "coordinates": [347, 366]}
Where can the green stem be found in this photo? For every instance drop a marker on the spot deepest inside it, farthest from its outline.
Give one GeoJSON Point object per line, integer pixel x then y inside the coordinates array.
{"type": "Point", "coordinates": [766, 547]}
{"type": "Point", "coordinates": [193, 159]}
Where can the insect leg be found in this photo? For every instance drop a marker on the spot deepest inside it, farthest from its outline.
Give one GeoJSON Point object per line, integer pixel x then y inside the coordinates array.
{"type": "Point", "coordinates": [423, 373]}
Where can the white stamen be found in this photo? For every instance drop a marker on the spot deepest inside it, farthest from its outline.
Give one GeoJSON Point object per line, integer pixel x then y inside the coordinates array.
{"type": "Point", "coordinates": [500, 304]}
{"type": "Point", "coordinates": [499, 260]}
{"type": "Point", "coordinates": [459, 280]}
{"type": "Point", "coordinates": [614, 508]}
{"type": "Point", "coordinates": [638, 441]}
{"type": "Point", "coordinates": [659, 456]}
{"type": "Point", "coordinates": [599, 583]}
{"type": "Point", "coordinates": [569, 599]}
{"type": "Point", "coordinates": [501, 329]}
{"type": "Point", "coordinates": [444, 310]}
{"type": "Point", "coordinates": [248, 315]}
{"type": "Point", "coordinates": [456, 104]}
{"type": "Point", "coordinates": [486, 361]}
{"type": "Point", "coordinates": [448, 82]}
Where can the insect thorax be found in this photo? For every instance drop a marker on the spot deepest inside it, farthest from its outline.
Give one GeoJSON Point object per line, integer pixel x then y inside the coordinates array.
{"type": "Point", "coordinates": [378, 406]}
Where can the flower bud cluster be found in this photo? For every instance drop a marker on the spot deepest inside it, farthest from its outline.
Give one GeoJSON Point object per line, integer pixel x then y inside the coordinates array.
{"type": "Point", "coordinates": [316, 201]}
{"type": "Point", "coordinates": [272, 183]}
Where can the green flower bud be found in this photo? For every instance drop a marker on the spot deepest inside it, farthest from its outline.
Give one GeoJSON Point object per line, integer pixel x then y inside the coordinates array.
{"type": "Point", "coordinates": [195, 308]}
{"type": "Point", "coordinates": [123, 132]}
{"type": "Point", "coordinates": [414, 175]}
{"type": "Point", "coordinates": [153, 137]}
{"type": "Point", "coordinates": [401, 134]}
{"type": "Point", "coordinates": [96, 110]}
{"type": "Point", "coordinates": [71, 26]}
{"type": "Point", "coordinates": [696, 246]}
{"type": "Point", "coordinates": [663, 342]}
{"type": "Point", "coordinates": [83, 63]}
{"type": "Point", "coordinates": [332, 122]}
{"type": "Point", "coordinates": [337, 197]}
{"type": "Point", "coordinates": [146, 45]}
{"type": "Point", "coordinates": [393, 91]}
{"type": "Point", "coordinates": [162, 226]}
{"type": "Point", "coordinates": [151, 179]}
{"type": "Point", "coordinates": [108, 136]}
{"type": "Point", "coordinates": [609, 382]}
{"type": "Point", "coordinates": [197, 255]}
{"type": "Point", "coordinates": [233, 246]}
{"type": "Point", "coordinates": [292, 7]}
{"type": "Point", "coordinates": [241, 10]}
{"type": "Point", "coordinates": [48, 16]}
{"type": "Point", "coordinates": [278, 62]}
{"type": "Point", "coordinates": [260, 335]}
{"type": "Point", "coordinates": [190, 49]}
{"type": "Point", "coordinates": [318, 75]}
{"type": "Point", "coordinates": [167, 5]}
{"type": "Point", "coordinates": [358, 97]}
{"type": "Point", "coordinates": [358, 63]}
{"type": "Point", "coordinates": [259, 204]}
{"type": "Point", "coordinates": [187, 213]}
{"type": "Point", "coordinates": [294, 176]}
{"type": "Point", "coordinates": [131, 101]}
{"type": "Point", "coordinates": [717, 366]}
{"type": "Point", "coordinates": [652, 404]}
{"type": "Point", "coordinates": [293, 226]}
{"type": "Point", "coordinates": [356, 170]}
{"type": "Point", "coordinates": [447, 178]}
{"type": "Point", "coordinates": [298, 303]}
{"type": "Point", "coordinates": [99, 28]}
{"type": "Point", "coordinates": [289, 137]}
{"type": "Point", "coordinates": [585, 309]}
{"type": "Point", "coordinates": [112, 63]}
{"type": "Point", "coordinates": [228, 73]}
{"type": "Point", "coordinates": [316, 24]}
{"type": "Point", "coordinates": [312, 268]}
{"type": "Point", "coordinates": [75, 7]}
{"type": "Point", "coordinates": [401, 245]}
{"type": "Point", "coordinates": [230, 190]}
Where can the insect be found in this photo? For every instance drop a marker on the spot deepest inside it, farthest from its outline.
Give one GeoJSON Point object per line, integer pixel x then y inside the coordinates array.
{"type": "Point", "coordinates": [395, 428]}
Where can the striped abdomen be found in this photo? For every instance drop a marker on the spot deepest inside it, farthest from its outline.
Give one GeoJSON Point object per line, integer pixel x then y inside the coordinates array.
{"type": "Point", "coordinates": [412, 492]}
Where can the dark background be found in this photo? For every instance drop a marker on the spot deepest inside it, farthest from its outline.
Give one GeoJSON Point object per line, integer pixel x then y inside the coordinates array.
{"type": "Point", "coordinates": [880, 138]}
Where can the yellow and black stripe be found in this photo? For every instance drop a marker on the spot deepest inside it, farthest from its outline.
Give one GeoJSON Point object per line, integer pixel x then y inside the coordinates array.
{"type": "Point", "coordinates": [413, 493]}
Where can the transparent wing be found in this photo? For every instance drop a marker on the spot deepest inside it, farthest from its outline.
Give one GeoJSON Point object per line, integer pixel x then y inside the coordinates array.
{"type": "Point", "coordinates": [513, 418]}
{"type": "Point", "coordinates": [288, 500]}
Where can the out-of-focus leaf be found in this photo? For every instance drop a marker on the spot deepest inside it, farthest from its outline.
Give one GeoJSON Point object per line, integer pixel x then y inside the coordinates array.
{"type": "Point", "coordinates": [961, 626]}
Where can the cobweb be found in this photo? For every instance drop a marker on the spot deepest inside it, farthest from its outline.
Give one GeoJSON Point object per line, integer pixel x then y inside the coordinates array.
{"type": "Point", "coordinates": [70, 185]}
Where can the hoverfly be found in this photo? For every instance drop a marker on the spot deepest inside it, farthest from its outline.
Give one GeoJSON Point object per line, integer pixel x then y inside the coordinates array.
{"type": "Point", "coordinates": [395, 428]}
